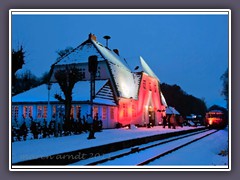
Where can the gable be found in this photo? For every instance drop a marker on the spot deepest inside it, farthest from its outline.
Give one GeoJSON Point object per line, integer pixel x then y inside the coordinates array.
{"type": "Point", "coordinates": [121, 76]}
{"type": "Point", "coordinates": [106, 93]}
{"type": "Point", "coordinates": [80, 54]}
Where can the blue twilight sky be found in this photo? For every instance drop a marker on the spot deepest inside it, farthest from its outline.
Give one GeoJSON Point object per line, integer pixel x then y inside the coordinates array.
{"type": "Point", "coordinates": [188, 50]}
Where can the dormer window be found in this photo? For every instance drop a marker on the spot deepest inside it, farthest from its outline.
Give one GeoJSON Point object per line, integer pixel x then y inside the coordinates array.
{"type": "Point", "coordinates": [82, 72]}
{"type": "Point", "coordinates": [150, 86]}
{"type": "Point", "coordinates": [144, 84]}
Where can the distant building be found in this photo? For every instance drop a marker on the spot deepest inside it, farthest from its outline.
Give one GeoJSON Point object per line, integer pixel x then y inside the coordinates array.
{"type": "Point", "coordinates": [126, 92]}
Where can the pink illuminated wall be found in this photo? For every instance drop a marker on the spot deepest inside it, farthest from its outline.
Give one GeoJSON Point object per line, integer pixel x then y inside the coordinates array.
{"type": "Point", "coordinates": [147, 108]}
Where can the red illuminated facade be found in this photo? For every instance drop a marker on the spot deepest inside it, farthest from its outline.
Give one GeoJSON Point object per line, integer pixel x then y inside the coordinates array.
{"type": "Point", "coordinates": [147, 108]}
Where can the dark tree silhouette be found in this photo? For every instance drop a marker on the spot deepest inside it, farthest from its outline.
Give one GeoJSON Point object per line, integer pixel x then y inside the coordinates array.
{"type": "Point", "coordinates": [44, 79]}
{"type": "Point", "coordinates": [216, 107]}
{"type": "Point", "coordinates": [63, 52]}
{"type": "Point", "coordinates": [17, 62]}
{"type": "Point", "coordinates": [24, 82]}
{"type": "Point", "coordinates": [186, 104]}
{"type": "Point", "coordinates": [66, 79]}
{"type": "Point", "coordinates": [224, 92]}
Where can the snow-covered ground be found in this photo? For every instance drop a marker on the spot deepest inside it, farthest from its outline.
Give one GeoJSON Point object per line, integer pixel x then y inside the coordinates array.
{"type": "Point", "coordinates": [210, 151]}
{"type": "Point", "coordinates": [204, 152]}
{"type": "Point", "coordinates": [31, 149]}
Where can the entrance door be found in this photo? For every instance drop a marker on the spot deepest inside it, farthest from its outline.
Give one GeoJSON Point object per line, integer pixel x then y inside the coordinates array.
{"type": "Point", "coordinates": [151, 115]}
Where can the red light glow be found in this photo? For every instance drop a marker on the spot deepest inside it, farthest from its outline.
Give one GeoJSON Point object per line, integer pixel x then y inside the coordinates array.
{"type": "Point", "coordinates": [132, 111]}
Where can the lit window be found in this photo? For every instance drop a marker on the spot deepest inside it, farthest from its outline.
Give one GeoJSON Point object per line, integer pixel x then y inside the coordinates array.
{"type": "Point", "coordinates": [78, 109]}
{"type": "Point", "coordinates": [134, 111]}
{"type": "Point", "coordinates": [30, 108]}
{"type": "Point", "coordinates": [144, 84]}
{"type": "Point", "coordinates": [15, 112]}
{"type": "Point", "coordinates": [27, 111]}
{"type": "Point", "coordinates": [104, 113]}
{"type": "Point", "coordinates": [53, 111]}
{"type": "Point", "coordinates": [72, 112]}
{"type": "Point", "coordinates": [112, 112]}
{"type": "Point", "coordinates": [155, 88]}
{"type": "Point", "coordinates": [95, 111]}
{"type": "Point", "coordinates": [125, 112]}
{"type": "Point", "coordinates": [39, 111]}
{"type": "Point", "coordinates": [44, 111]}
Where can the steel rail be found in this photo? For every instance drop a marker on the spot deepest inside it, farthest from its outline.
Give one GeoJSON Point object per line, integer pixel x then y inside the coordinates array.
{"type": "Point", "coordinates": [136, 149]}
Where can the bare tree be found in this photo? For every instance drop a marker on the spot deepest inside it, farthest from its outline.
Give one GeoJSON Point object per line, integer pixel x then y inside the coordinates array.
{"type": "Point", "coordinates": [66, 79]}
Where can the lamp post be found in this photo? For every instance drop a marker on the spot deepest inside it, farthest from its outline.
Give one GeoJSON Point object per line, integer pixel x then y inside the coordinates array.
{"type": "Point", "coordinates": [131, 107]}
{"type": "Point", "coordinates": [49, 85]}
{"type": "Point", "coordinates": [92, 68]}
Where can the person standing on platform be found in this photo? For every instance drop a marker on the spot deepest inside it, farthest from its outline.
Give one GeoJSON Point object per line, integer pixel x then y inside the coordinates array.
{"type": "Point", "coordinates": [164, 121]}
{"type": "Point", "coordinates": [91, 130]}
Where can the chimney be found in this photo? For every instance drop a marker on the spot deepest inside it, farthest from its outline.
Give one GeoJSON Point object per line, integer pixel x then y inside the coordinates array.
{"type": "Point", "coordinates": [116, 51]}
{"type": "Point", "coordinates": [107, 38]}
{"type": "Point", "coordinates": [92, 36]}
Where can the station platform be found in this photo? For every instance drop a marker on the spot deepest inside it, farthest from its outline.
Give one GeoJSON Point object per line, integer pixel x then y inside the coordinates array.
{"type": "Point", "coordinates": [70, 149]}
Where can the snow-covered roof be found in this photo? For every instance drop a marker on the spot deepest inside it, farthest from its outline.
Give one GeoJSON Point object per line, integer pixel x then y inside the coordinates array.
{"type": "Point", "coordinates": [147, 69]}
{"type": "Point", "coordinates": [122, 75]}
{"type": "Point", "coordinates": [172, 110]}
{"type": "Point", "coordinates": [110, 56]}
{"type": "Point", "coordinates": [140, 65]}
{"type": "Point", "coordinates": [88, 48]}
{"type": "Point", "coordinates": [163, 100]}
{"type": "Point", "coordinates": [80, 54]}
{"type": "Point", "coordinates": [81, 92]}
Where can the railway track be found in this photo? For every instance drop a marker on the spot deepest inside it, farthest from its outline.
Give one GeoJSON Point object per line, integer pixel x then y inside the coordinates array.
{"type": "Point", "coordinates": [146, 153]}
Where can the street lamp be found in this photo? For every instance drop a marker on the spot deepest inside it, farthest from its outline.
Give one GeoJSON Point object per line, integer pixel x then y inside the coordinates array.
{"type": "Point", "coordinates": [92, 68]}
{"type": "Point", "coordinates": [49, 85]}
{"type": "Point", "coordinates": [131, 107]}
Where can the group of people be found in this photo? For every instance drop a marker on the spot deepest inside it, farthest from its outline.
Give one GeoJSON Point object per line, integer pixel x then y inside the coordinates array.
{"type": "Point", "coordinates": [171, 120]}
{"type": "Point", "coordinates": [44, 129]}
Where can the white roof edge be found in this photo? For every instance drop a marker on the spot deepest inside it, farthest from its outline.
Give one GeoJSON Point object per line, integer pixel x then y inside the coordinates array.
{"type": "Point", "coordinates": [146, 68]}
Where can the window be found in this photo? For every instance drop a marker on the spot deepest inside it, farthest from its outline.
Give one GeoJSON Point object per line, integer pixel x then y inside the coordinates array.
{"type": "Point", "coordinates": [104, 112]}
{"type": "Point", "coordinates": [78, 109]}
{"type": "Point", "coordinates": [98, 74]}
{"type": "Point", "coordinates": [27, 111]}
{"type": "Point", "coordinates": [15, 112]}
{"type": "Point", "coordinates": [144, 84]}
{"type": "Point", "coordinates": [134, 111]}
{"type": "Point", "coordinates": [155, 88]}
{"type": "Point", "coordinates": [125, 112]}
{"type": "Point", "coordinates": [53, 111]}
{"type": "Point", "coordinates": [150, 86]}
{"type": "Point", "coordinates": [82, 72]}
{"type": "Point", "coordinates": [112, 112]}
{"type": "Point", "coordinates": [95, 111]}
{"type": "Point", "coordinates": [72, 112]}
{"type": "Point", "coordinates": [39, 111]}
{"type": "Point", "coordinates": [44, 111]}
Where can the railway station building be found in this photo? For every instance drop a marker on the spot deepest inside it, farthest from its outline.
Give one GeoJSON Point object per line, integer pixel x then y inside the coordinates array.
{"type": "Point", "coordinates": [126, 91]}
